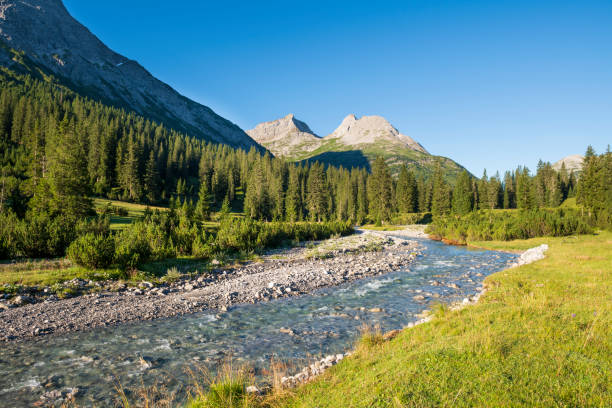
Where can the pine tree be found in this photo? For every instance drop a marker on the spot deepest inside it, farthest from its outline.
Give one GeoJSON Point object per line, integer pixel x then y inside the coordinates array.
{"type": "Point", "coordinates": [293, 198]}
{"type": "Point", "coordinates": [509, 200]}
{"type": "Point", "coordinates": [316, 196]}
{"type": "Point", "coordinates": [406, 191]}
{"type": "Point", "coordinates": [202, 210]}
{"type": "Point", "coordinates": [463, 196]}
{"type": "Point", "coordinates": [440, 201]}
{"type": "Point", "coordinates": [257, 199]}
{"type": "Point", "coordinates": [151, 179]}
{"type": "Point", "coordinates": [225, 208]}
{"type": "Point", "coordinates": [69, 184]}
{"type": "Point", "coordinates": [524, 191]}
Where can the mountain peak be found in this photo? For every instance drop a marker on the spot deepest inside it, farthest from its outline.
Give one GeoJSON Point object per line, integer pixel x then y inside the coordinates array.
{"type": "Point", "coordinates": [572, 163]}
{"type": "Point", "coordinates": [371, 130]}
{"type": "Point", "coordinates": [283, 136]}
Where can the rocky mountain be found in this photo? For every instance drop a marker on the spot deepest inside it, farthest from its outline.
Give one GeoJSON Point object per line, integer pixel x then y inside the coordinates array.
{"type": "Point", "coordinates": [286, 136]}
{"type": "Point", "coordinates": [572, 163]}
{"type": "Point", "coordinates": [355, 143]}
{"type": "Point", "coordinates": [372, 130]}
{"type": "Point", "coordinates": [41, 38]}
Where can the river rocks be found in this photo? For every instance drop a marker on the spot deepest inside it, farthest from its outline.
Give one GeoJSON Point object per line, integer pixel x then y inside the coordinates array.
{"type": "Point", "coordinates": [251, 389]}
{"type": "Point", "coordinates": [391, 334]}
{"type": "Point", "coordinates": [288, 272]}
{"type": "Point", "coordinates": [57, 396]}
{"type": "Point", "coordinates": [532, 255]}
{"type": "Point", "coordinates": [313, 370]}
{"type": "Point", "coordinates": [21, 300]}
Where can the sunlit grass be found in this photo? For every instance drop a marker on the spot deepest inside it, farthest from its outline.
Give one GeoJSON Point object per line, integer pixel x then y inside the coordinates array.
{"type": "Point", "coordinates": [541, 336]}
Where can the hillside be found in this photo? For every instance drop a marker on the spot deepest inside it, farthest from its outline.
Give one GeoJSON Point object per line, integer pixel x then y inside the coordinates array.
{"type": "Point", "coordinates": [40, 38]}
{"type": "Point", "coordinates": [355, 143]}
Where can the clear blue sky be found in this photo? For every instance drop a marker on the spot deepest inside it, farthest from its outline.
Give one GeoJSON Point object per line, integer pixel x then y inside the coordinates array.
{"type": "Point", "coordinates": [491, 84]}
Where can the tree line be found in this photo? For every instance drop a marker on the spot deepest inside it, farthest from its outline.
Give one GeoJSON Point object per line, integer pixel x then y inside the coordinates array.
{"type": "Point", "coordinates": [58, 149]}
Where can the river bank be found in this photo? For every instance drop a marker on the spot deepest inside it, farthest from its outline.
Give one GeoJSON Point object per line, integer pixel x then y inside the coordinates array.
{"type": "Point", "coordinates": [500, 351]}
{"type": "Point", "coordinates": [296, 330]}
{"type": "Point", "coordinates": [281, 273]}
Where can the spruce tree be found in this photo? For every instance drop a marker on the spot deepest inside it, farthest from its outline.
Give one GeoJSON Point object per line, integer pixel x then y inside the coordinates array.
{"type": "Point", "coordinates": [68, 182]}
{"type": "Point", "coordinates": [380, 191]}
{"type": "Point", "coordinates": [202, 210]}
{"type": "Point", "coordinates": [406, 191]}
{"type": "Point", "coordinates": [463, 196]}
{"type": "Point", "coordinates": [440, 201]}
{"type": "Point", "coordinates": [151, 179]}
{"type": "Point", "coordinates": [317, 190]}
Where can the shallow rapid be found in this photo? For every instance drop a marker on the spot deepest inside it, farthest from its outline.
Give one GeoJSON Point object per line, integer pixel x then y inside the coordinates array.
{"type": "Point", "coordinates": [162, 351]}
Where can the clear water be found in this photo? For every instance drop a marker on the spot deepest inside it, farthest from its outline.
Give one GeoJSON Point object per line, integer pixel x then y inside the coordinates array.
{"type": "Point", "coordinates": [325, 322]}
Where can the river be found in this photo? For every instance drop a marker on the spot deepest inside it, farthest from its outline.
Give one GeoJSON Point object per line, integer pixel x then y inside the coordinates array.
{"type": "Point", "coordinates": [162, 351]}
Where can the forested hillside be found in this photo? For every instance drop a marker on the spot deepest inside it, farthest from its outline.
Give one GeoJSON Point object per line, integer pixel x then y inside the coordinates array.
{"type": "Point", "coordinates": [59, 149]}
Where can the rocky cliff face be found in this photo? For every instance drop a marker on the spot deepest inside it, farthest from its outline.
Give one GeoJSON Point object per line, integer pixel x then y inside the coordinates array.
{"type": "Point", "coordinates": [286, 136]}
{"type": "Point", "coordinates": [355, 131]}
{"type": "Point", "coordinates": [41, 38]}
{"type": "Point", "coordinates": [290, 137]}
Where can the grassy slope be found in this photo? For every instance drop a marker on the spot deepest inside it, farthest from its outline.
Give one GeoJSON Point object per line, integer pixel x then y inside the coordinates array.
{"type": "Point", "coordinates": [135, 211]}
{"type": "Point", "coordinates": [541, 336]}
{"type": "Point", "coordinates": [395, 155]}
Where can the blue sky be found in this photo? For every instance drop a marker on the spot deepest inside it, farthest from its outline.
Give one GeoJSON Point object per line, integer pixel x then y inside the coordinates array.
{"type": "Point", "coordinates": [491, 84]}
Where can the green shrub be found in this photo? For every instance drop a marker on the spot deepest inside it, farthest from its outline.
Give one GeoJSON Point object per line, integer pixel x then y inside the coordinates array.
{"type": "Point", "coordinates": [487, 225]}
{"type": "Point", "coordinates": [132, 247]}
{"type": "Point", "coordinates": [93, 251]}
{"type": "Point", "coordinates": [10, 226]}
{"type": "Point", "coordinates": [45, 236]}
{"type": "Point", "coordinates": [411, 218]}
{"type": "Point", "coordinates": [95, 225]}
{"type": "Point", "coordinates": [243, 234]}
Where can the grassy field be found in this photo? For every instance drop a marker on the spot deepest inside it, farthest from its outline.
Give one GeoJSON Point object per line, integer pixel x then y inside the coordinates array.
{"type": "Point", "coordinates": [134, 211]}
{"type": "Point", "coordinates": [50, 272]}
{"type": "Point", "coordinates": [541, 336]}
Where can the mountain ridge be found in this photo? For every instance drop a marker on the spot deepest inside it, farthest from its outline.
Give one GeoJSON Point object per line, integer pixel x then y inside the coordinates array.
{"type": "Point", "coordinates": [40, 37]}
{"type": "Point", "coordinates": [354, 143]}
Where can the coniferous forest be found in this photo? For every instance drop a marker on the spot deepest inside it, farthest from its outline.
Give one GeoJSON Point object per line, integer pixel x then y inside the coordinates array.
{"type": "Point", "coordinates": [58, 150]}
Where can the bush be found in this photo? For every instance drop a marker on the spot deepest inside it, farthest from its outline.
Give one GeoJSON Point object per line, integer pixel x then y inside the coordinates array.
{"type": "Point", "coordinates": [10, 227]}
{"type": "Point", "coordinates": [93, 251]}
{"type": "Point", "coordinates": [96, 226]}
{"type": "Point", "coordinates": [132, 247]}
{"type": "Point", "coordinates": [411, 218]}
{"type": "Point", "coordinates": [243, 234]}
{"type": "Point", "coordinates": [487, 225]}
{"type": "Point", "coordinates": [45, 236]}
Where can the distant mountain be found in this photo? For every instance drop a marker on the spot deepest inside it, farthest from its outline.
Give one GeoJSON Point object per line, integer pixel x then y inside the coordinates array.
{"type": "Point", "coordinates": [40, 37]}
{"type": "Point", "coordinates": [572, 163]}
{"type": "Point", "coordinates": [286, 137]}
{"type": "Point", "coordinates": [355, 143]}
